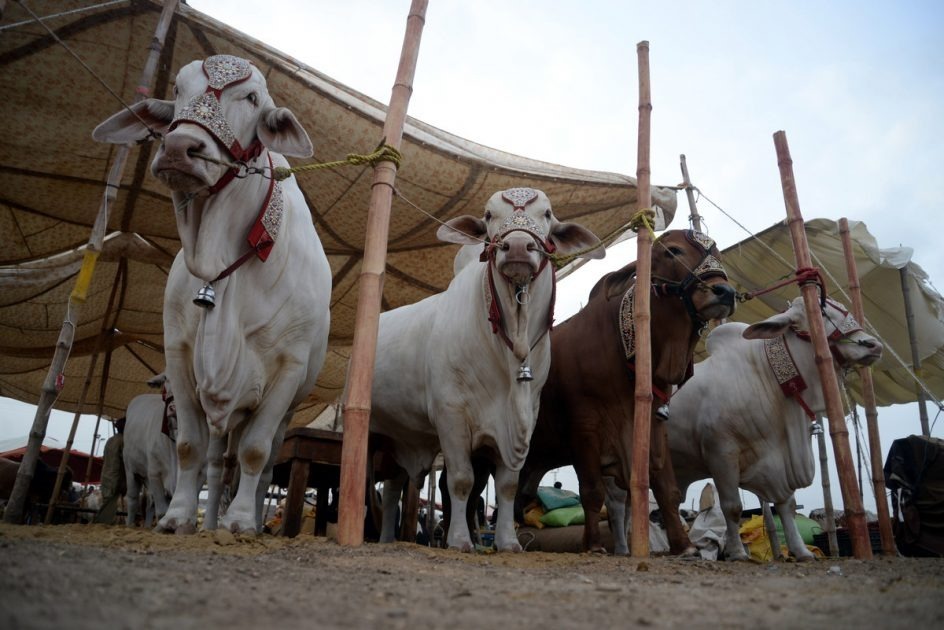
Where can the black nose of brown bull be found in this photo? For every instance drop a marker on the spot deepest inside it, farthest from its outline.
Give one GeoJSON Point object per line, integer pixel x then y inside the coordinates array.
{"type": "Point", "coordinates": [725, 293]}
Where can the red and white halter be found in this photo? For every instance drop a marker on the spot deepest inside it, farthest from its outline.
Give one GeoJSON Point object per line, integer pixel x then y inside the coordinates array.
{"type": "Point", "coordinates": [518, 221]}
{"type": "Point", "coordinates": [783, 366]}
{"type": "Point", "coordinates": [205, 111]}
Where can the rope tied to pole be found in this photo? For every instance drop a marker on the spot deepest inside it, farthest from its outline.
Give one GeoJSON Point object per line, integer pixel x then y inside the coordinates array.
{"type": "Point", "coordinates": [644, 218]}
{"type": "Point", "coordinates": [383, 153]}
{"type": "Point", "coordinates": [806, 275]}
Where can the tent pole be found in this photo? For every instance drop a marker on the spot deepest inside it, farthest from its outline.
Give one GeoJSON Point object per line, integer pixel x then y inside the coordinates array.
{"type": "Point", "coordinates": [106, 371]}
{"type": "Point", "coordinates": [639, 481]}
{"type": "Point", "coordinates": [370, 292]}
{"type": "Point", "coordinates": [100, 341]}
{"type": "Point", "coordinates": [827, 496]}
{"type": "Point", "coordinates": [694, 218]}
{"type": "Point", "coordinates": [915, 359]}
{"type": "Point", "coordinates": [852, 503]}
{"type": "Point", "coordinates": [54, 378]}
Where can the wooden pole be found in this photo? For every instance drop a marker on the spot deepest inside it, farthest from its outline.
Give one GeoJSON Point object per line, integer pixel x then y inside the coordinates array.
{"type": "Point", "coordinates": [868, 399]}
{"type": "Point", "coordinates": [54, 378]}
{"type": "Point", "coordinates": [852, 502]}
{"type": "Point", "coordinates": [694, 218]}
{"type": "Point", "coordinates": [827, 496]}
{"type": "Point", "coordinates": [915, 358]}
{"type": "Point", "coordinates": [639, 483]}
{"type": "Point", "coordinates": [370, 291]}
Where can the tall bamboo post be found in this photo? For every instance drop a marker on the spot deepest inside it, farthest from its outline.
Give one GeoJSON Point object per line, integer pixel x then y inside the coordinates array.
{"type": "Point", "coordinates": [639, 483]}
{"type": "Point", "coordinates": [852, 503]}
{"type": "Point", "coordinates": [370, 291]}
{"type": "Point", "coordinates": [827, 496]}
{"type": "Point", "coordinates": [915, 357]}
{"type": "Point", "coordinates": [868, 398]}
{"type": "Point", "coordinates": [55, 377]}
{"type": "Point", "coordinates": [694, 218]}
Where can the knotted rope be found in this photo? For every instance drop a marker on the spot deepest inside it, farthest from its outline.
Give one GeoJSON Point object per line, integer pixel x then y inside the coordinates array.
{"type": "Point", "coordinates": [644, 218]}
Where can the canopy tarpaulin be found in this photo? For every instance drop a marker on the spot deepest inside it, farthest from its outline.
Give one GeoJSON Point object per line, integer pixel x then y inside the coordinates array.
{"type": "Point", "coordinates": [762, 260]}
{"type": "Point", "coordinates": [52, 179]}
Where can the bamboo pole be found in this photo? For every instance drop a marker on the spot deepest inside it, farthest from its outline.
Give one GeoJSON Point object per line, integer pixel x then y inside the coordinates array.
{"type": "Point", "coordinates": [915, 358]}
{"type": "Point", "coordinates": [370, 291]}
{"type": "Point", "coordinates": [827, 496]}
{"type": "Point", "coordinates": [852, 503]}
{"type": "Point", "coordinates": [868, 399]}
{"type": "Point", "coordinates": [55, 377]}
{"type": "Point", "coordinates": [694, 218]}
{"type": "Point", "coordinates": [639, 483]}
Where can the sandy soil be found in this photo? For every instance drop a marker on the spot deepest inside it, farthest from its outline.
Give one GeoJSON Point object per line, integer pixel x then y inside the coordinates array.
{"type": "Point", "coordinates": [95, 576]}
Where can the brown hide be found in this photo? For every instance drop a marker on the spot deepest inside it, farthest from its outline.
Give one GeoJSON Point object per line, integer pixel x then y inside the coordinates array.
{"type": "Point", "coordinates": [587, 404]}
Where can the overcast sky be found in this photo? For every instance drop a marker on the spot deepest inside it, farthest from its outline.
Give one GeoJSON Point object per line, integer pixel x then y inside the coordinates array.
{"type": "Point", "coordinates": [857, 86]}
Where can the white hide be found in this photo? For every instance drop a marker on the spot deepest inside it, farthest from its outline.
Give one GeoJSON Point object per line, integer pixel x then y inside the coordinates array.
{"type": "Point", "coordinates": [149, 455]}
{"type": "Point", "coordinates": [444, 380]}
{"type": "Point", "coordinates": [731, 421]}
{"type": "Point", "coordinates": [242, 367]}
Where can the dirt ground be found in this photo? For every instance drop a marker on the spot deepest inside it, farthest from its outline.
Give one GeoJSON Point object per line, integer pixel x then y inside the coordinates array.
{"type": "Point", "coordinates": [96, 576]}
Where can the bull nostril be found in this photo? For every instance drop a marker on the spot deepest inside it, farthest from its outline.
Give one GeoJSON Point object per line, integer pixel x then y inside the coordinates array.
{"type": "Point", "coordinates": [531, 246]}
{"type": "Point", "coordinates": [505, 247]}
{"type": "Point", "coordinates": [722, 290]}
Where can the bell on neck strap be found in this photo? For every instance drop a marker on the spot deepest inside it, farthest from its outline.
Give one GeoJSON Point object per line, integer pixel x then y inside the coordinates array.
{"type": "Point", "coordinates": [662, 412]}
{"type": "Point", "coordinates": [816, 428]}
{"type": "Point", "coordinates": [524, 373]}
{"type": "Point", "coordinates": [206, 297]}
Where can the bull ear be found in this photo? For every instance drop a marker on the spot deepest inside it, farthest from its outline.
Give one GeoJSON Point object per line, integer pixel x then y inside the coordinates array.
{"type": "Point", "coordinates": [124, 127]}
{"type": "Point", "coordinates": [769, 328]}
{"type": "Point", "coordinates": [157, 381]}
{"type": "Point", "coordinates": [280, 131]}
{"type": "Point", "coordinates": [572, 239]}
{"type": "Point", "coordinates": [464, 230]}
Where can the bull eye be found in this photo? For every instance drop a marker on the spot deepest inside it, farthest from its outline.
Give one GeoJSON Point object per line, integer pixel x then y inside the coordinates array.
{"type": "Point", "coordinates": [253, 98]}
{"type": "Point", "coordinates": [175, 91]}
{"type": "Point", "coordinates": [488, 215]}
{"type": "Point", "coordinates": [547, 214]}
{"type": "Point", "coordinates": [674, 251]}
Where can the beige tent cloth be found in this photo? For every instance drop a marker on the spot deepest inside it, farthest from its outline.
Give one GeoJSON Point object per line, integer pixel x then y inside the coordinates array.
{"type": "Point", "coordinates": [751, 265]}
{"type": "Point", "coordinates": [52, 179]}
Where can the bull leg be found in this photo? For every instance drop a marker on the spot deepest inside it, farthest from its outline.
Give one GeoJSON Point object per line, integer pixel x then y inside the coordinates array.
{"type": "Point", "coordinates": [133, 498]}
{"type": "Point", "coordinates": [617, 511]}
{"type": "Point", "coordinates": [666, 491]}
{"type": "Point", "coordinates": [461, 480]}
{"type": "Point", "coordinates": [795, 544]}
{"type": "Point", "coordinates": [158, 497]}
{"type": "Point", "coordinates": [726, 481]}
{"type": "Point", "coordinates": [587, 465]}
{"type": "Point", "coordinates": [266, 479]}
{"type": "Point", "coordinates": [192, 441]}
{"type": "Point", "coordinates": [392, 490]}
{"type": "Point", "coordinates": [506, 485]}
{"type": "Point", "coordinates": [214, 482]}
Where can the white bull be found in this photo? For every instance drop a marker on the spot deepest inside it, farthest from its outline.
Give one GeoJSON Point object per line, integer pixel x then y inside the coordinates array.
{"type": "Point", "coordinates": [451, 369]}
{"type": "Point", "coordinates": [242, 366]}
{"type": "Point", "coordinates": [734, 422]}
{"type": "Point", "coordinates": [149, 454]}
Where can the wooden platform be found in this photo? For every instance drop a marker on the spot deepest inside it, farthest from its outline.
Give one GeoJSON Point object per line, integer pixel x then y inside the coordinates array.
{"type": "Point", "coordinates": [309, 458]}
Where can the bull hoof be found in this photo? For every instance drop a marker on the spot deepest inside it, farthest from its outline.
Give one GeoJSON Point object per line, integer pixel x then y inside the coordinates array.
{"type": "Point", "coordinates": [242, 530]}
{"type": "Point", "coordinates": [186, 529]}
{"type": "Point", "coordinates": [806, 558]}
{"type": "Point", "coordinates": [689, 552]}
{"type": "Point", "coordinates": [465, 547]}
{"type": "Point", "coordinates": [598, 549]}
{"type": "Point", "coordinates": [514, 547]}
{"type": "Point", "coordinates": [737, 558]}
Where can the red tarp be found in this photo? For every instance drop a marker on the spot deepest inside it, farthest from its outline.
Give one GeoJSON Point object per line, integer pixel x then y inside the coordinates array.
{"type": "Point", "coordinates": [78, 462]}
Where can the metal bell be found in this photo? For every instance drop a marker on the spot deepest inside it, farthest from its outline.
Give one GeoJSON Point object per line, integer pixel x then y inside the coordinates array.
{"type": "Point", "coordinates": [206, 297]}
{"type": "Point", "coordinates": [524, 373]}
{"type": "Point", "coordinates": [662, 412]}
{"type": "Point", "coordinates": [816, 428]}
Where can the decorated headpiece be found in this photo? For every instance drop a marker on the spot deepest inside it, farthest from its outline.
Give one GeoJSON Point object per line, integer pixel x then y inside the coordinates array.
{"type": "Point", "coordinates": [222, 71]}
{"type": "Point", "coordinates": [520, 198]}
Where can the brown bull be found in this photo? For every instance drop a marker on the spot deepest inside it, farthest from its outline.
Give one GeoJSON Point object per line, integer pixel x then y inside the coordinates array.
{"type": "Point", "coordinates": [587, 404]}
